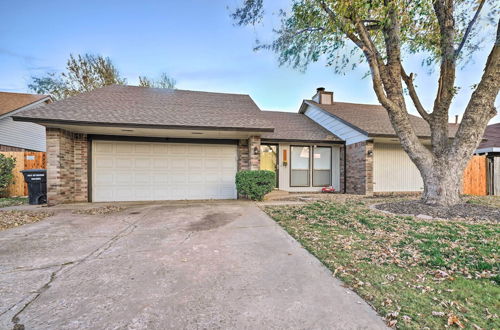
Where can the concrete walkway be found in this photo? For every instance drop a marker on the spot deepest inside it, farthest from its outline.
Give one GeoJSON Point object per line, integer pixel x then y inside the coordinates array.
{"type": "Point", "coordinates": [213, 265]}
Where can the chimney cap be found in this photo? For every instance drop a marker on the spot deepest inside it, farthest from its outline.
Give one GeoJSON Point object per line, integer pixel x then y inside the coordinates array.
{"type": "Point", "coordinates": [320, 89]}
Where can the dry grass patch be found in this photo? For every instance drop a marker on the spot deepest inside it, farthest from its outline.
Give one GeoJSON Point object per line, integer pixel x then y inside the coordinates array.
{"type": "Point", "coordinates": [416, 273]}
{"type": "Point", "coordinates": [12, 219]}
{"type": "Point", "coordinates": [99, 210]}
{"type": "Point", "coordinates": [12, 201]}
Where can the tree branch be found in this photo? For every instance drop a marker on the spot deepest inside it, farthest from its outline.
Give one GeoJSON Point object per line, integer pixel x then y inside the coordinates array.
{"type": "Point", "coordinates": [481, 106]}
{"type": "Point", "coordinates": [408, 79]}
{"type": "Point", "coordinates": [308, 29]}
{"type": "Point", "coordinates": [340, 24]}
{"type": "Point", "coordinates": [469, 28]}
{"type": "Point", "coordinates": [446, 84]}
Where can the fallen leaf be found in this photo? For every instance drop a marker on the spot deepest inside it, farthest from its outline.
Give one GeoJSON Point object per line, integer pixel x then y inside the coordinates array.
{"type": "Point", "coordinates": [453, 320]}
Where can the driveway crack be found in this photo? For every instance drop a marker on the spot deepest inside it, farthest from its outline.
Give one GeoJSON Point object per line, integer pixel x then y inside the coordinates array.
{"type": "Point", "coordinates": [96, 253]}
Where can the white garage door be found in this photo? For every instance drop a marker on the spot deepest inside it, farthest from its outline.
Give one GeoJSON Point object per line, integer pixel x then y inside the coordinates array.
{"type": "Point", "coordinates": [140, 171]}
{"type": "Point", "coordinates": [393, 170]}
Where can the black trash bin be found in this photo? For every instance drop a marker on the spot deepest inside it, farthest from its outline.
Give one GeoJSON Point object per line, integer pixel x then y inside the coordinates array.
{"type": "Point", "coordinates": [37, 186]}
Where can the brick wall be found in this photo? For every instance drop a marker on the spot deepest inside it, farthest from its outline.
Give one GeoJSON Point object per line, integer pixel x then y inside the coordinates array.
{"type": "Point", "coordinates": [66, 167]}
{"type": "Point", "coordinates": [248, 159]}
{"type": "Point", "coordinates": [359, 161]}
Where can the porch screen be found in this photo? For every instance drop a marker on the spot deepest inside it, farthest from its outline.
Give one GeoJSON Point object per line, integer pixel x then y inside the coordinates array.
{"type": "Point", "coordinates": [299, 175]}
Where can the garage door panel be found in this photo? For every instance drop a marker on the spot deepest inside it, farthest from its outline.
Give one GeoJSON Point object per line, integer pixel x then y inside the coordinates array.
{"type": "Point", "coordinates": [195, 150]}
{"type": "Point", "coordinates": [122, 178]}
{"type": "Point", "coordinates": [123, 148]}
{"type": "Point", "coordinates": [160, 148]}
{"type": "Point", "coordinates": [105, 162]}
{"type": "Point", "coordinates": [160, 163]}
{"type": "Point", "coordinates": [142, 148]}
{"type": "Point", "coordinates": [178, 163]}
{"type": "Point", "coordinates": [195, 164]}
{"type": "Point", "coordinates": [104, 148]}
{"type": "Point", "coordinates": [142, 178]}
{"type": "Point", "coordinates": [137, 171]}
{"type": "Point", "coordinates": [177, 149]}
{"type": "Point", "coordinates": [122, 162]}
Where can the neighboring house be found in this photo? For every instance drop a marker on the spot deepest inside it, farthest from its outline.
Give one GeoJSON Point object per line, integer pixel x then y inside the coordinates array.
{"type": "Point", "coordinates": [375, 160]}
{"type": "Point", "coordinates": [20, 136]}
{"type": "Point", "coordinates": [127, 143]}
{"type": "Point", "coordinates": [490, 146]}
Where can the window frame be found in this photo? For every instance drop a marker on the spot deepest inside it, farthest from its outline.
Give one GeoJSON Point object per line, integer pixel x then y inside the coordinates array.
{"type": "Point", "coordinates": [331, 166]}
{"type": "Point", "coordinates": [309, 168]}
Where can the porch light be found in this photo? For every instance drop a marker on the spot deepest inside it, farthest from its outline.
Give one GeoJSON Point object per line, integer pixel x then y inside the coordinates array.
{"type": "Point", "coordinates": [285, 157]}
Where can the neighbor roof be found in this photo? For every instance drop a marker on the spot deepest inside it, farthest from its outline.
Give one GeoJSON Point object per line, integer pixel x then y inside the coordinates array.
{"type": "Point", "coordinates": [290, 126]}
{"type": "Point", "coordinates": [372, 119]}
{"type": "Point", "coordinates": [118, 105]}
{"type": "Point", "coordinates": [492, 136]}
{"type": "Point", "coordinates": [13, 101]}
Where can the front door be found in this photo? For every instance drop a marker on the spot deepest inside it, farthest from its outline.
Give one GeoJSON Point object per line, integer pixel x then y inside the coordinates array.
{"type": "Point", "coordinates": [269, 159]}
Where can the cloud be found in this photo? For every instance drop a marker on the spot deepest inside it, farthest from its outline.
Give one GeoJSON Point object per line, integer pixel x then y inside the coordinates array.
{"type": "Point", "coordinates": [26, 58]}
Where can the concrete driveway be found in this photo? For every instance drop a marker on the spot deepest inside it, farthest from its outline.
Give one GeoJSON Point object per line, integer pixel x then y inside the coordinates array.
{"type": "Point", "coordinates": [171, 265]}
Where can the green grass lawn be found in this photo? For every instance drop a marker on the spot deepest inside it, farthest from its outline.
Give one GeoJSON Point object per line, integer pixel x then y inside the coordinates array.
{"type": "Point", "coordinates": [415, 273]}
{"type": "Point", "coordinates": [12, 201]}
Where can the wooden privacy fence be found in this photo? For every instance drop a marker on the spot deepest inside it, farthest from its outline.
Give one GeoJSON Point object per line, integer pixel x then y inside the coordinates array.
{"type": "Point", "coordinates": [25, 160]}
{"type": "Point", "coordinates": [475, 177]}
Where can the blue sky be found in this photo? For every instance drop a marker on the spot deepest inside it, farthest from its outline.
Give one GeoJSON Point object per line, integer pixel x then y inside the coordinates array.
{"type": "Point", "coordinates": [192, 40]}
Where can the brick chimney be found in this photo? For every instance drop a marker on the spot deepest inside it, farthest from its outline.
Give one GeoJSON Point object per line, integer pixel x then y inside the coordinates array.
{"type": "Point", "coordinates": [322, 96]}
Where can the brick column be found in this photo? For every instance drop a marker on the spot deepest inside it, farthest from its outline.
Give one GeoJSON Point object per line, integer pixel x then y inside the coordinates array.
{"type": "Point", "coordinates": [254, 152]}
{"type": "Point", "coordinates": [243, 156]}
{"type": "Point", "coordinates": [359, 172]}
{"type": "Point", "coordinates": [66, 167]}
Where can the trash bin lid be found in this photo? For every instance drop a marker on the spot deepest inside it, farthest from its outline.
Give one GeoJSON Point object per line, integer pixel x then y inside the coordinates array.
{"type": "Point", "coordinates": [38, 170]}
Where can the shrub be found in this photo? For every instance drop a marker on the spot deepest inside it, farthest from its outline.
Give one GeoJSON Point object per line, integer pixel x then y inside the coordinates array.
{"type": "Point", "coordinates": [7, 164]}
{"type": "Point", "coordinates": [255, 184]}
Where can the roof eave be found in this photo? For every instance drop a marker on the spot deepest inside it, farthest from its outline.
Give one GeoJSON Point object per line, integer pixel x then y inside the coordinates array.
{"type": "Point", "coordinates": [42, 121]}
{"type": "Point", "coordinates": [302, 141]}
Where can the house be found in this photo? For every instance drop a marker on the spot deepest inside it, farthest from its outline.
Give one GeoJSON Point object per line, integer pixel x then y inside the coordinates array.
{"type": "Point", "coordinates": [20, 136]}
{"type": "Point", "coordinates": [127, 143]}
{"type": "Point", "coordinates": [490, 146]}
{"type": "Point", "coordinates": [375, 160]}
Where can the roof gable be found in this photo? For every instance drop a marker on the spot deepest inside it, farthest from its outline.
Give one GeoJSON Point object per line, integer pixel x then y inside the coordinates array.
{"type": "Point", "coordinates": [10, 102]}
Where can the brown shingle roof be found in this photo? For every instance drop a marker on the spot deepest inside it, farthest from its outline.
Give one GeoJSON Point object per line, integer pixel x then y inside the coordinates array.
{"type": "Point", "coordinates": [132, 105]}
{"type": "Point", "coordinates": [492, 134]}
{"type": "Point", "coordinates": [13, 101]}
{"type": "Point", "coordinates": [294, 127]}
{"type": "Point", "coordinates": [373, 119]}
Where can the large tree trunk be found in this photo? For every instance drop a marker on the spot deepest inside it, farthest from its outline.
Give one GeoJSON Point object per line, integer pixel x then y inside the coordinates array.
{"type": "Point", "coordinates": [442, 184]}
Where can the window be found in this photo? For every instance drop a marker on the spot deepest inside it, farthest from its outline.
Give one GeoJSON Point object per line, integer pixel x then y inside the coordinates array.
{"type": "Point", "coordinates": [322, 166]}
{"type": "Point", "coordinates": [299, 166]}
